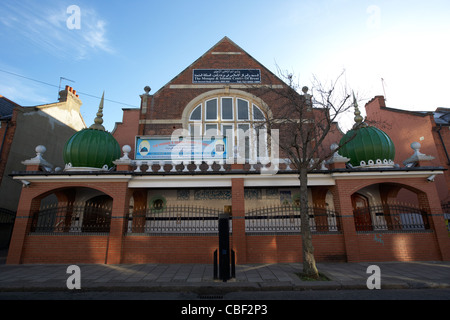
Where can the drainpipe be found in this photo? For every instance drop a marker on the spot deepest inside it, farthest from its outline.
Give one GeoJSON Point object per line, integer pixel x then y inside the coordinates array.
{"type": "Point", "coordinates": [442, 141]}
{"type": "Point", "coordinates": [3, 139]}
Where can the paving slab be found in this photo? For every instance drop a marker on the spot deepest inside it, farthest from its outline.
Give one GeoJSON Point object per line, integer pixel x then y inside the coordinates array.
{"type": "Point", "coordinates": [200, 278]}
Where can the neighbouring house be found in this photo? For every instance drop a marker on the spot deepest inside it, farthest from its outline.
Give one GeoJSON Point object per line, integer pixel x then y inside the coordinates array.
{"type": "Point", "coordinates": [21, 130]}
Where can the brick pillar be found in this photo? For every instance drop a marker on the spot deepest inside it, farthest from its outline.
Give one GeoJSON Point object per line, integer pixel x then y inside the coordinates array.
{"type": "Point", "coordinates": [121, 202]}
{"type": "Point", "coordinates": [239, 241]}
{"type": "Point", "coordinates": [27, 206]}
{"type": "Point", "coordinates": [343, 204]}
{"type": "Point", "coordinates": [431, 200]}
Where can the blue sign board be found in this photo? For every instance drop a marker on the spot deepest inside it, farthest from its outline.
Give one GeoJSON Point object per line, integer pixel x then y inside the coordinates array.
{"type": "Point", "coordinates": [186, 149]}
{"type": "Point", "coordinates": [226, 76]}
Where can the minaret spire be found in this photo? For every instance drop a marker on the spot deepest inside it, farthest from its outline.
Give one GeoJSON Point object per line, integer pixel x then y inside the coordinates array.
{"type": "Point", "coordinates": [99, 119]}
{"type": "Point", "coordinates": [358, 118]}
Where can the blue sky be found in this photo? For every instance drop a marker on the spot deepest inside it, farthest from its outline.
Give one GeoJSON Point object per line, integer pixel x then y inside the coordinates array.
{"type": "Point", "coordinates": [122, 46]}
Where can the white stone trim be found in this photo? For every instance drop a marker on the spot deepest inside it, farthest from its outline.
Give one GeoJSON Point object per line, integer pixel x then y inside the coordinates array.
{"type": "Point", "coordinates": [384, 174]}
{"type": "Point", "coordinates": [224, 180]}
{"type": "Point", "coordinates": [71, 168]}
{"type": "Point", "coordinates": [377, 164]}
{"type": "Point", "coordinates": [160, 121]}
{"type": "Point", "coordinates": [417, 156]}
{"type": "Point", "coordinates": [226, 53]}
{"type": "Point", "coordinates": [222, 86]}
{"type": "Point", "coordinates": [74, 178]}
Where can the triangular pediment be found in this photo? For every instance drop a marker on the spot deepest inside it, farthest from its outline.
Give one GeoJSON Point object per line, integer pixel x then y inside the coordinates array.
{"type": "Point", "coordinates": [225, 63]}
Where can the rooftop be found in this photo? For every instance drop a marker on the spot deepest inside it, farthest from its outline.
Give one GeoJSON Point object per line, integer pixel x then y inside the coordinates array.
{"type": "Point", "coordinates": [6, 107]}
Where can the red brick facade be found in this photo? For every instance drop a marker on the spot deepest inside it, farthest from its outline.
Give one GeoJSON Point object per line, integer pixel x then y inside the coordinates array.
{"type": "Point", "coordinates": [117, 247]}
{"type": "Point", "coordinates": [165, 111]}
{"type": "Point", "coordinates": [405, 127]}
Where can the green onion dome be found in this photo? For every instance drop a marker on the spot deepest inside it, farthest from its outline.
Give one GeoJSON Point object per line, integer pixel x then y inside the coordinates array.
{"type": "Point", "coordinates": [92, 148]}
{"type": "Point", "coordinates": [367, 145]}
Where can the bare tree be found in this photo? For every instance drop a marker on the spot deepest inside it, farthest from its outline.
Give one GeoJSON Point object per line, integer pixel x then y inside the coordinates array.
{"type": "Point", "coordinates": [305, 123]}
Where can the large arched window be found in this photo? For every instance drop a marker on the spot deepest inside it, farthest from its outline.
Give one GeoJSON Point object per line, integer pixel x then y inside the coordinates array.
{"type": "Point", "coordinates": [240, 119]}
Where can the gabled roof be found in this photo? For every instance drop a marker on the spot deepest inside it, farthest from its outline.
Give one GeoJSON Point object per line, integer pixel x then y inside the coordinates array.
{"type": "Point", "coordinates": [226, 55]}
{"type": "Point", "coordinates": [442, 116]}
{"type": "Point", "coordinates": [6, 107]}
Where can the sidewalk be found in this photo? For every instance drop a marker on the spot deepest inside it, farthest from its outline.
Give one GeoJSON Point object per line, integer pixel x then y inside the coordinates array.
{"type": "Point", "coordinates": [199, 277]}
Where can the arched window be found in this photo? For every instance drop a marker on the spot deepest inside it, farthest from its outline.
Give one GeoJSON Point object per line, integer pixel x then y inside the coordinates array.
{"type": "Point", "coordinates": [240, 119]}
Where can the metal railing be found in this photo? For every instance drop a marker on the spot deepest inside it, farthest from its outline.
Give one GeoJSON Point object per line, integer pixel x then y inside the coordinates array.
{"type": "Point", "coordinates": [446, 208]}
{"type": "Point", "coordinates": [7, 216]}
{"type": "Point", "coordinates": [446, 211]}
{"type": "Point", "coordinates": [181, 219]}
{"type": "Point", "coordinates": [388, 216]}
{"type": "Point", "coordinates": [72, 218]}
{"type": "Point", "coordinates": [286, 218]}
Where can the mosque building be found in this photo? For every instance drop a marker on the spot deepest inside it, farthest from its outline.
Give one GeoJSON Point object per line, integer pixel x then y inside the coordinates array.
{"type": "Point", "coordinates": [152, 191]}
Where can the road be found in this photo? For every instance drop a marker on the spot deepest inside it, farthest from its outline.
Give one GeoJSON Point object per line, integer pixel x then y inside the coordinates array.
{"type": "Point", "coordinates": [400, 294]}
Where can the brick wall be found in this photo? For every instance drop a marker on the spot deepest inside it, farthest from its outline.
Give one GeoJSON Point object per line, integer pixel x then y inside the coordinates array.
{"type": "Point", "coordinates": [65, 249]}
{"type": "Point", "coordinates": [117, 248]}
{"type": "Point", "coordinates": [126, 131]}
{"type": "Point", "coordinates": [200, 249]}
{"type": "Point", "coordinates": [6, 139]}
{"type": "Point", "coordinates": [169, 249]}
{"type": "Point", "coordinates": [416, 127]}
{"type": "Point", "coordinates": [398, 247]}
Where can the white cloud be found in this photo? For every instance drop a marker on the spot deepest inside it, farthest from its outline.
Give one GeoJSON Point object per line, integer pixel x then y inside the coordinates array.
{"type": "Point", "coordinates": [45, 27]}
{"type": "Point", "coordinates": [23, 93]}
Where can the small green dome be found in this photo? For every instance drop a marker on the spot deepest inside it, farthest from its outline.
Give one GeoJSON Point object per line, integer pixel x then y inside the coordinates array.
{"type": "Point", "coordinates": [367, 144]}
{"type": "Point", "coordinates": [91, 148]}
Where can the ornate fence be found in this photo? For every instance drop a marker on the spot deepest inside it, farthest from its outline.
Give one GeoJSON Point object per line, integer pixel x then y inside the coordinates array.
{"type": "Point", "coordinates": [286, 218]}
{"type": "Point", "coordinates": [446, 211]}
{"type": "Point", "coordinates": [60, 218]}
{"type": "Point", "coordinates": [446, 208]}
{"type": "Point", "coordinates": [388, 216]}
{"type": "Point", "coordinates": [180, 219]}
{"type": "Point", "coordinates": [91, 218]}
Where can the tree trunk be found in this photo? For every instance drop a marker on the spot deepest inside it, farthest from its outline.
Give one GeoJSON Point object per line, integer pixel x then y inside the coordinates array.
{"type": "Point", "coordinates": [309, 262]}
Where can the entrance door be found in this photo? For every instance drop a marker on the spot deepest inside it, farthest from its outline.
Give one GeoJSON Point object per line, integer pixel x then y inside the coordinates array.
{"type": "Point", "coordinates": [361, 213]}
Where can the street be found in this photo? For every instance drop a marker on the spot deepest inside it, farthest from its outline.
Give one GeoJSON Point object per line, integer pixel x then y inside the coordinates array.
{"type": "Point", "coordinates": [399, 294]}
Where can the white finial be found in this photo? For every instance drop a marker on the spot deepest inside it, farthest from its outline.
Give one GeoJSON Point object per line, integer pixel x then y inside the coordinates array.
{"type": "Point", "coordinates": [126, 150]}
{"type": "Point", "coordinates": [40, 150]}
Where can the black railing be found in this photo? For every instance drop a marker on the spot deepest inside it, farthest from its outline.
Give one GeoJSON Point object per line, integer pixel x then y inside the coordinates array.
{"type": "Point", "coordinates": [446, 208]}
{"type": "Point", "coordinates": [446, 211]}
{"type": "Point", "coordinates": [386, 216]}
{"type": "Point", "coordinates": [180, 219]}
{"type": "Point", "coordinates": [286, 218]}
{"type": "Point", "coordinates": [86, 218]}
{"type": "Point", "coordinates": [7, 216]}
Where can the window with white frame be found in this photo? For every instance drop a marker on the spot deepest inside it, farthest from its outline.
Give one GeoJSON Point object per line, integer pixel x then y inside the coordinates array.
{"type": "Point", "coordinates": [241, 120]}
